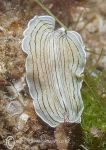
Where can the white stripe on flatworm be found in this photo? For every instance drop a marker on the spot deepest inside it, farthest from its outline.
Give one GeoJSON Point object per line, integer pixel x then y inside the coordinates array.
{"type": "Point", "coordinates": [56, 58]}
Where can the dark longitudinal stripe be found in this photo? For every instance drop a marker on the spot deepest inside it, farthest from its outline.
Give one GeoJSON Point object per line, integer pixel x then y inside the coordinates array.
{"type": "Point", "coordinates": [75, 97]}
{"type": "Point", "coordinates": [59, 37]}
{"type": "Point", "coordinates": [75, 83]}
{"type": "Point", "coordinates": [56, 74]}
{"type": "Point", "coordinates": [44, 61]}
{"type": "Point", "coordinates": [45, 46]}
{"type": "Point", "coordinates": [71, 97]}
{"type": "Point", "coordinates": [34, 75]}
{"type": "Point", "coordinates": [35, 85]}
{"type": "Point", "coordinates": [59, 60]}
{"type": "Point", "coordinates": [63, 63]}
{"type": "Point", "coordinates": [38, 74]}
{"type": "Point", "coordinates": [72, 74]}
{"type": "Point", "coordinates": [78, 55]}
{"type": "Point", "coordinates": [62, 57]}
{"type": "Point", "coordinates": [47, 69]}
{"type": "Point", "coordinates": [52, 82]}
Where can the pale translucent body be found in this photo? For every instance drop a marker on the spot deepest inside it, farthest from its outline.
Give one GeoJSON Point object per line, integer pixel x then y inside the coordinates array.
{"type": "Point", "coordinates": [55, 61]}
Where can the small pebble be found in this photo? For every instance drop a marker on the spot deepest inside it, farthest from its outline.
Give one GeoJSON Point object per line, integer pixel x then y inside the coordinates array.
{"type": "Point", "coordinates": [22, 121]}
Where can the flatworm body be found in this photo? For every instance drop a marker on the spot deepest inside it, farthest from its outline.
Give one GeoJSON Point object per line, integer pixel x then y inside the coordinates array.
{"type": "Point", "coordinates": [55, 61]}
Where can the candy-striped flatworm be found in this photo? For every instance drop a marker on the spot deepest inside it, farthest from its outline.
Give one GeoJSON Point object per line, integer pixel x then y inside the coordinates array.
{"type": "Point", "coordinates": [55, 61]}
